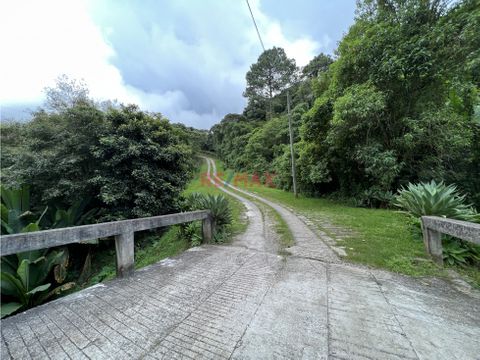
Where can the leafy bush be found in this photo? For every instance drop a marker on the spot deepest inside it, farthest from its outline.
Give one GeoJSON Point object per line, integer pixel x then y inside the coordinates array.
{"type": "Point", "coordinates": [435, 199]}
{"type": "Point", "coordinates": [460, 252]}
{"type": "Point", "coordinates": [217, 204]}
{"type": "Point", "coordinates": [439, 199]}
{"type": "Point", "coordinates": [128, 162]}
{"type": "Point", "coordinates": [221, 215]}
{"type": "Point", "coordinates": [24, 278]}
{"type": "Point", "coordinates": [74, 215]}
{"type": "Point", "coordinates": [191, 233]}
{"type": "Point", "coordinates": [16, 216]}
{"type": "Point", "coordinates": [375, 197]}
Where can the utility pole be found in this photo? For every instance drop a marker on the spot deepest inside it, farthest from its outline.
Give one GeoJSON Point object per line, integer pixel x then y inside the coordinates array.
{"type": "Point", "coordinates": [294, 176]}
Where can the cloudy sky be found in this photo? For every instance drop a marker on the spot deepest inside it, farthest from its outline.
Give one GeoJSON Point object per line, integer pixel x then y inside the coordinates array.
{"type": "Point", "coordinates": [184, 58]}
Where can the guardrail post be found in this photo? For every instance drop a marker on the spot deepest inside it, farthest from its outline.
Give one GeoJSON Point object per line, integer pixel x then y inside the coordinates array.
{"type": "Point", "coordinates": [433, 244]}
{"type": "Point", "coordinates": [124, 246]}
{"type": "Point", "coordinates": [207, 229]}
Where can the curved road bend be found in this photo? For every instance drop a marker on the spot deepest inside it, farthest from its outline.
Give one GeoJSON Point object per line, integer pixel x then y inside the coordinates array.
{"type": "Point", "coordinates": [247, 302]}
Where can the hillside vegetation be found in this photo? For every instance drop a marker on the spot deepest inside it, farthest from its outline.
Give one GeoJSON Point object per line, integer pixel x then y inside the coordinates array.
{"type": "Point", "coordinates": [398, 103]}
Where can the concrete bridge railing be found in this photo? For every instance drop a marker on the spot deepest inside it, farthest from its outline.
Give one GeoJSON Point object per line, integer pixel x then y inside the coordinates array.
{"type": "Point", "coordinates": [433, 227]}
{"type": "Point", "coordinates": [123, 231]}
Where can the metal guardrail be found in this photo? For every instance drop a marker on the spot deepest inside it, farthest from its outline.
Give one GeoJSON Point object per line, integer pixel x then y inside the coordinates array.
{"type": "Point", "coordinates": [433, 227]}
{"type": "Point", "coordinates": [122, 230]}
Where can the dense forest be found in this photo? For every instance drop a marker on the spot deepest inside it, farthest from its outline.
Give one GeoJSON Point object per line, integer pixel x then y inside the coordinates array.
{"type": "Point", "coordinates": [399, 102]}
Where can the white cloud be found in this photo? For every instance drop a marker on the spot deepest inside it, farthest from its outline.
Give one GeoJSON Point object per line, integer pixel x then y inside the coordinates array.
{"type": "Point", "coordinates": [302, 49]}
{"type": "Point", "coordinates": [44, 39]}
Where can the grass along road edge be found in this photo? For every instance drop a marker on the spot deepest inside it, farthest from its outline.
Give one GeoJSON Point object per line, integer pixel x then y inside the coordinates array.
{"type": "Point", "coordinates": [380, 238]}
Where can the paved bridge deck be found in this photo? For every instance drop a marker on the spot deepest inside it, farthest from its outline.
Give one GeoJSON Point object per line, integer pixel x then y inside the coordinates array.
{"type": "Point", "coordinates": [246, 302]}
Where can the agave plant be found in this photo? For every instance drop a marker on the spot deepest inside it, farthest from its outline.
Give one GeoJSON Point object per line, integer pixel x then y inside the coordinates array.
{"type": "Point", "coordinates": [217, 204]}
{"type": "Point", "coordinates": [435, 199]}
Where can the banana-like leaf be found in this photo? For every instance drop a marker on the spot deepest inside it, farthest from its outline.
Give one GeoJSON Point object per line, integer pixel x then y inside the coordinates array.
{"type": "Point", "coordinates": [31, 256]}
{"type": "Point", "coordinates": [12, 286]}
{"type": "Point", "coordinates": [23, 273]}
{"type": "Point", "coordinates": [9, 308]}
{"type": "Point", "coordinates": [60, 269]}
{"type": "Point", "coordinates": [39, 289]}
{"type": "Point", "coordinates": [30, 228]}
{"type": "Point", "coordinates": [59, 273]}
{"type": "Point", "coordinates": [41, 269]}
{"type": "Point", "coordinates": [4, 213]}
{"type": "Point", "coordinates": [9, 264]}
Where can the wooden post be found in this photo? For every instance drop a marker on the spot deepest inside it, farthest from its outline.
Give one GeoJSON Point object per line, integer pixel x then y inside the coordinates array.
{"type": "Point", "coordinates": [207, 229]}
{"type": "Point", "coordinates": [124, 246]}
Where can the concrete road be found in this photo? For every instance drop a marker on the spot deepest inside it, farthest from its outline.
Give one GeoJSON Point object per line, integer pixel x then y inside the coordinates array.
{"type": "Point", "coordinates": [244, 301]}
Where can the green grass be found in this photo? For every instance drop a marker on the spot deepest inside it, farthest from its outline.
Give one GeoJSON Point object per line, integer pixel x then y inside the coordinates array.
{"type": "Point", "coordinates": [200, 184]}
{"type": "Point", "coordinates": [149, 249]}
{"type": "Point", "coordinates": [380, 238]}
{"type": "Point", "coordinates": [160, 247]}
{"type": "Point", "coordinates": [281, 228]}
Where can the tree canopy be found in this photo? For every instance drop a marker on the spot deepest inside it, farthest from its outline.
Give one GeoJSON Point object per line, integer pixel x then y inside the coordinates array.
{"type": "Point", "coordinates": [269, 76]}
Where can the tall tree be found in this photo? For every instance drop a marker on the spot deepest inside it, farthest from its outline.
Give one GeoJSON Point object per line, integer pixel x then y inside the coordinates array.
{"type": "Point", "coordinates": [269, 76]}
{"type": "Point", "coordinates": [65, 94]}
{"type": "Point", "coordinates": [318, 64]}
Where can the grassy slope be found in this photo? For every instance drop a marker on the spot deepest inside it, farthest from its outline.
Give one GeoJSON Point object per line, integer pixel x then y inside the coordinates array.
{"type": "Point", "coordinates": [382, 238]}
{"type": "Point", "coordinates": [153, 248]}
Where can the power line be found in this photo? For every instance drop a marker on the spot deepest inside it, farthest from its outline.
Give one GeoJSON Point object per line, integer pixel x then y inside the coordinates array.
{"type": "Point", "coordinates": [256, 27]}
{"type": "Point", "coordinates": [292, 153]}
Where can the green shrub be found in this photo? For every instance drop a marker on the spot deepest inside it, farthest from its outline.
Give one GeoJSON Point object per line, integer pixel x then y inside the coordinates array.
{"type": "Point", "coordinates": [436, 199]}
{"type": "Point", "coordinates": [16, 216]}
{"type": "Point", "coordinates": [221, 214]}
{"type": "Point", "coordinates": [217, 204]}
{"type": "Point", "coordinates": [128, 162]}
{"type": "Point", "coordinates": [24, 278]}
{"type": "Point", "coordinates": [458, 252]}
{"type": "Point", "coordinates": [375, 198]}
{"type": "Point", "coordinates": [191, 233]}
